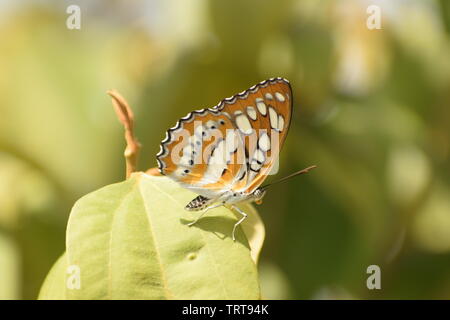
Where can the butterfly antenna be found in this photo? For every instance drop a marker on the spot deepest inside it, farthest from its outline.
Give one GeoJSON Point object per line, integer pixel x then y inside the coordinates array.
{"type": "Point", "coordinates": [306, 170]}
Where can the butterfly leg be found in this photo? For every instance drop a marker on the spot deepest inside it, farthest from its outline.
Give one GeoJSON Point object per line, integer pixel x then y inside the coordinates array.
{"type": "Point", "coordinates": [244, 215]}
{"type": "Point", "coordinates": [203, 213]}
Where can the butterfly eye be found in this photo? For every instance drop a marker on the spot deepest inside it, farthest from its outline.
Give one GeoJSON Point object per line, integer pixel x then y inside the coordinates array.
{"type": "Point", "coordinates": [259, 194]}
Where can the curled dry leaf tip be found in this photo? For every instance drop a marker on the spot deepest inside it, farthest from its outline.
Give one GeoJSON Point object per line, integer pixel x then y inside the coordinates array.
{"type": "Point", "coordinates": [126, 117]}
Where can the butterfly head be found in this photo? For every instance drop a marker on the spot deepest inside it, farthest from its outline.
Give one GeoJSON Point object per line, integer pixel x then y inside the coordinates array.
{"type": "Point", "coordinates": [258, 194]}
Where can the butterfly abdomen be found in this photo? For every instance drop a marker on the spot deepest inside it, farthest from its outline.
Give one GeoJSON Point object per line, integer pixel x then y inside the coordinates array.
{"type": "Point", "coordinates": [198, 203]}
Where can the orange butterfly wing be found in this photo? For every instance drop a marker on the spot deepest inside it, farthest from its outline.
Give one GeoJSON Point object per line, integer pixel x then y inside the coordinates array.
{"type": "Point", "coordinates": [271, 131]}
{"type": "Point", "coordinates": [232, 146]}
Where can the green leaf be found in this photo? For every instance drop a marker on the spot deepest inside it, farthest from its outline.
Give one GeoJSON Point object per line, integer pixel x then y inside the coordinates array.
{"type": "Point", "coordinates": [130, 241]}
{"type": "Point", "coordinates": [254, 230]}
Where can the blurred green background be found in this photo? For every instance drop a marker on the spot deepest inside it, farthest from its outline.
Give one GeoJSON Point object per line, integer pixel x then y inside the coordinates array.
{"type": "Point", "coordinates": [372, 110]}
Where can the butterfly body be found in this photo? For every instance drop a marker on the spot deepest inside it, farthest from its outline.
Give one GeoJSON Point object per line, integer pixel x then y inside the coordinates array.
{"type": "Point", "coordinates": [224, 153]}
{"type": "Point", "coordinates": [228, 198]}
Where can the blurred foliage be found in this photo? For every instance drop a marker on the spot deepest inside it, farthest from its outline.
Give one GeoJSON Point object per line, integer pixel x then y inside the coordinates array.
{"type": "Point", "coordinates": [371, 110]}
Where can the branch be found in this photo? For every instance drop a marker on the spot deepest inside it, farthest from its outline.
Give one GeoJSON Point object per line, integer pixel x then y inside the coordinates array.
{"type": "Point", "coordinates": [126, 117]}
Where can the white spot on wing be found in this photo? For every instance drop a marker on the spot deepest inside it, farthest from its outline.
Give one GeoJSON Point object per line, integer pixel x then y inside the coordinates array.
{"type": "Point", "coordinates": [216, 164]}
{"type": "Point", "coordinates": [269, 96]}
{"type": "Point", "coordinates": [255, 166]}
{"type": "Point", "coordinates": [226, 114]}
{"type": "Point", "coordinates": [243, 124]}
{"type": "Point", "coordinates": [261, 106]}
{"type": "Point", "coordinates": [202, 133]}
{"type": "Point", "coordinates": [218, 155]}
{"type": "Point", "coordinates": [231, 141]}
{"type": "Point", "coordinates": [273, 118]}
{"type": "Point", "coordinates": [279, 97]}
{"type": "Point", "coordinates": [264, 142]}
{"type": "Point", "coordinates": [259, 156]}
{"type": "Point", "coordinates": [180, 172]}
{"type": "Point", "coordinates": [187, 151]}
{"type": "Point", "coordinates": [280, 123]}
{"type": "Point", "coordinates": [186, 161]}
{"type": "Point", "coordinates": [211, 124]}
{"type": "Point", "coordinates": [251, 112]}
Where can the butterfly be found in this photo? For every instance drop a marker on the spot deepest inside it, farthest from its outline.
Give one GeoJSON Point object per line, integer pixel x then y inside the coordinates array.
{"type": "Point", "coordinates": [225, 153]}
